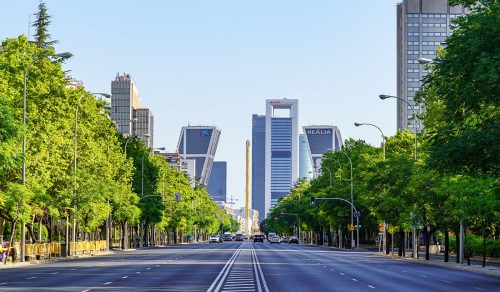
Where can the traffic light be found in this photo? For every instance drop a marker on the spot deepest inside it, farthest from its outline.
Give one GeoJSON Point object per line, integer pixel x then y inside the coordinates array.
{"type": "Point", "coordinates": [313, 199]}
{"type": "Point", "coordinates": [177, 197]}
{"type": "Point", "coordinates": [381, 227]}
{"type": "Point", "coordinates": [282, 213]}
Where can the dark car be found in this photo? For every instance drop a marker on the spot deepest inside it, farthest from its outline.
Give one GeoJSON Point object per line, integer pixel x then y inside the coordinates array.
{"type": "Point", "coordinates": [293, 239]}
{"type": "Point", "coordinates": [238, 237]}
{"type": "Point", "coordinates": [258, 238]}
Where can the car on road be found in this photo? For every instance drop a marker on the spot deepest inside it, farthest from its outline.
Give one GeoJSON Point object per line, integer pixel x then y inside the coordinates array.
{"type": "Point", "coordinates": [227, 236]}
{"type": "Point", "coordinates": [275, 239]}
{"type": "Point", "coordinates": [215, 239]}
{"type": "Point", "coordinates": [258, 238]}
{"type": "Point", "coordinates": [293, 239]}
{"type": "Point", "coordinates": [238, 237]}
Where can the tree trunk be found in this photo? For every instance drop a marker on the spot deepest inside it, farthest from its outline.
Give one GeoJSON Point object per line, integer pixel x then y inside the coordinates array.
{"type": "Point", "coordinates": [427, 243]}
{"type": "Point", "coordinates": [330, 237]}
{"type": "Point", "coordinates": [457, 245]}
{"type": "Point", "coordinates": [124, 235]}
{"type": "Point", "coordinates": [484, 250]}
{"type": "Point", "coordinates": [401, 243]}
{"type": "Point", "coordinates": [446, 245]}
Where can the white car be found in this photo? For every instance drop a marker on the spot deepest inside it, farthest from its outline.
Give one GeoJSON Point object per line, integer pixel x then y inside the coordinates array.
{"type": "Point", "coordinates": [275, 239]}
{"type": "Point", "coordinates": [214, 239]}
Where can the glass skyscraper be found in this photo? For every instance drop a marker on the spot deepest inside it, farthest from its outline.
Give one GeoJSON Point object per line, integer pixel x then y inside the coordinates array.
{"type": "Point", "coordinates": [258, 164]}
{"type": "Point", "coordinates": [218, 181]}
{"type": "Point", "coordinates": [281, 150]}
{"type": "Point", "coordinates": [305, 166]}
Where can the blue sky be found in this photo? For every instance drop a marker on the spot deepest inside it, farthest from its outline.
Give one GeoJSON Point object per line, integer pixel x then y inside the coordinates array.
{"type": "Point", "coordinates": [215, 62]}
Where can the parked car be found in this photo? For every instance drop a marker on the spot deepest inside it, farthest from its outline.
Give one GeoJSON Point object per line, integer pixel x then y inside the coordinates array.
{"type": "Point", "coordinates": [258, 238]}
{"type": "Point", "coordinates": [238, 237]}
{"type": "Point", "coordinates": [284, 239]}
{"type": "Point", "coordinates": [293, 239]}
{"type": "Point", "coordinates": [275, 239]}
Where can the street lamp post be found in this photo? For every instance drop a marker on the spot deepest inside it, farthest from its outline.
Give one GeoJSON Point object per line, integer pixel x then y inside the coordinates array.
{"type": "Point", "coordinates": [64, 55]}
{"type": "Point", "coordinates": [352, 203]}
{"type": "Point", "coordinates": [383, 136]}
{"type": "Point", "coordinates": [383, 96]}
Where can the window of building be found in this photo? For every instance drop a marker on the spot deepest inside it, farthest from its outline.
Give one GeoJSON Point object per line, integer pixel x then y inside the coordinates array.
{"type": "Point", "coordinates": [413, 52]}
{"type": "Point", "coordinates": [428, 52]}
{"type": "Point", "coordinates": [412, 15]}
{"type": "Point", "coordinates": [412, 61]}
{"type": "Point", "coordinates": [409, 97]}
{"type": "Point", "coordinates": [413, 43]}
{"type": "Point", "coordinates": [412, 89]}
{"type": "Point", "coordinates": [413, 70]}
{"type": "Point", "coordinates": [411, 24]}
{"type": "Point", "coordinates": [413, 33]}
{"type": "Point", "coordinates": [413, 80]}
{"type": "Point", "coordinates": [427, 70]}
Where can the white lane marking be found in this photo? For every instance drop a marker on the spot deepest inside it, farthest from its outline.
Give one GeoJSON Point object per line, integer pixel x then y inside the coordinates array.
{"type": "Point", "coordinates": [342, 274]}
{"type": "Point", "coordinates": [171, 260]}
{"type": "Point", "coordinates": [31, 278]}
{"type": "Point", "coordinates": [257, 263]}
{"type": "Point", "coordinates": [223, 273]}
{"type": "Point", "coordinates": [371, 286]}
{"type": "Point", "coordinates": [72, 269]}
{"type": "Point", "coordinates": [354, 280]}
{"type": "Point", "coordinates": [137, 272]}
{"type": "Point", "coordinates": [423, 276]}
{"type": "Point", "coordinates": [324, 266]}
{"type": "Point", "coordinates": [86, 290]}
{"type": "Point", "coordinates": [107, 283]}
{"type": "Point", "coordinates": [4, 283]}
{"type": "Point", "coordinates": [124, 277]}
{"type": "Point", "coordinates": [54, 273]}
{"type": "Point", "coordinates": [446, 281]}
{"type": "Point", "coordinates": [479, 288]}
{"type": "Point", "coordinates": [148, 269]}
{"type": "Point", "coordinates": [331, 269]}
{"type": "Point", "coordinates": [157, 265]}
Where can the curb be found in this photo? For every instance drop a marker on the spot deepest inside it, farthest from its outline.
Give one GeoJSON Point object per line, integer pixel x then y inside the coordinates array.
{"type": "Point", "coordinates": [450, 265]}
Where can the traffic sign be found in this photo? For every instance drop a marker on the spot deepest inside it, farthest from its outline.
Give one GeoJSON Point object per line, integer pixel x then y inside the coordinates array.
{"type": "Point", "coordinates": [312, 200]}
{"type": "Point", "coordinates": [357, 214]}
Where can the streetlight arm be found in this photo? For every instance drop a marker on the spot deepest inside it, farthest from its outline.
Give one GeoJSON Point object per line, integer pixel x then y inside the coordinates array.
{"type": "Point", "coordinates": [339, 199]}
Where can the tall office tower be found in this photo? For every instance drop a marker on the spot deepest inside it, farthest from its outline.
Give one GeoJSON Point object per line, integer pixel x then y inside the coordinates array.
{"type": "Point", "coordinates": [218, 181]}
{"type": "Point", "coordinates": [143, 125]}
{"type": "Point", "coordinates": [258, 164]}
{"type": "Point", "coordinates": [305, 165]}
{"type": "Point", "coordinates": [281, 150]}
{"type": "Point", "coordinates": [125, 98]}
{"type": "Point", "coordinates": [320, 140]}
{"type": "Point", "coordinates": [200, 144]}
{"type": "Point", "coordinates": [422, 26]}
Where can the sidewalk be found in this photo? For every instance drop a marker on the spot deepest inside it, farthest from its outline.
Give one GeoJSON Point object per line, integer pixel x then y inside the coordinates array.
{"type": "Point", "coordinates": [491, 268]}
{"type": "Point", "coordinates": [19, 264]}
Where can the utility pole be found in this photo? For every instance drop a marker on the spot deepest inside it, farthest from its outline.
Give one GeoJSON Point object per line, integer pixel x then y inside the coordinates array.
{"type": "Point", "coordinates": [247, 189]}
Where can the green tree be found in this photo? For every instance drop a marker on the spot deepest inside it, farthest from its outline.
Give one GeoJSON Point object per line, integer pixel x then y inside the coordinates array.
{"type": "Point", "coordinates": [41, 25]}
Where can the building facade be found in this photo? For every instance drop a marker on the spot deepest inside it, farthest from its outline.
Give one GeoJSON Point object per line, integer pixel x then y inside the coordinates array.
{"type": "Point", "coordinates": [126, 111]}
{"type": "Point", "coordinates": [422, 26]}
{"type": "Point", "coordinates": [125, 98]}
{"type": "Point", "coordinates": [258, 164]}
{"type": "Point", "coordinates": [281, 149]}
{"type": "Point", "coordinates": [320, 140]}
{"type": "Point", "coordinates": [143, 125]}
{"type": "Point", "coordinates": [305, 165]}
{"type": "Point", "coordinates": [217, 183]}
{"type": "Point", "coordinates": [199, 143]}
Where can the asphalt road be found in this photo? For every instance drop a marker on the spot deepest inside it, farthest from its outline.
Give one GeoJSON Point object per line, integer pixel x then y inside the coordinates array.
{"type": "Point", "coordinates": [234, 266]}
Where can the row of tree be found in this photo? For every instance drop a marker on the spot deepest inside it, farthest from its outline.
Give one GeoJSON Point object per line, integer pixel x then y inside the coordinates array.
{"type": "Point", "coordinates": [79, 169]}
{"type": "Point", "coordinates": [455, 178]}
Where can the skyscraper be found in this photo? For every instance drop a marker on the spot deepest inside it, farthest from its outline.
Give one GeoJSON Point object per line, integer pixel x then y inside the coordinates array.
{"type": "Point", "coordinates": [320, 140]}
{"type": "Point", "coordinates": [305, 165]}
{"type": "Point", "coordinates": [258, 164]}
{"type": "Point", "coordinates": [422, 26]}
{"type": "Point", "coordinates": [126, 111]}
{"type": "Point", "coordinates": [144, 125]}
{"type": "Point", "coordinates": [199, 143]}
{"type": "Point", "coordinates": [281, 149]}
{"type": "Point", "coordinates": [218, 181]}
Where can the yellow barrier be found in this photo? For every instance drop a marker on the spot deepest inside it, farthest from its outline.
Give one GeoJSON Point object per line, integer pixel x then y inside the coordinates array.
{"type": "Point", "coordinates": [46, 250]}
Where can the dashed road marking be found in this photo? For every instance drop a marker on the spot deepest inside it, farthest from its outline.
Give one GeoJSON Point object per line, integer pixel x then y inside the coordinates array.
{"type": "Point", "coordinates": [72, 269]}
{"type": "Point", "coordinates": [137, 272]}
{"type": "Point", "coordinates": [86, 290]}
{"type": "Point", "coordinates": [124, 277]}
{"type": "Point", "coordinates": [354, 280]}
{"type": "Point", "coordinates": [30, 278]}
{"type": "Point", "coordinates": [342, 274]}
{"type": "Point", "coordinates": [54, 273]}
{"type": "Point", "coordinates": [446, 281]}
{"type": "Point", "coordinates": [107, 283]}
{"type": "Point", "coordinates": [371, 286]}
{"type": "Point", "coordinates": [477, 288]}
{"type": "Point", "coordinates": [148, 269]}
{"type": "Point", "coordinates": [4, 283]}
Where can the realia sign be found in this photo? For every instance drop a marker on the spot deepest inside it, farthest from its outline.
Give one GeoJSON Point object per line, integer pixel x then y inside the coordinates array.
{"type": "Point", "coordinates": [318, 131]}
